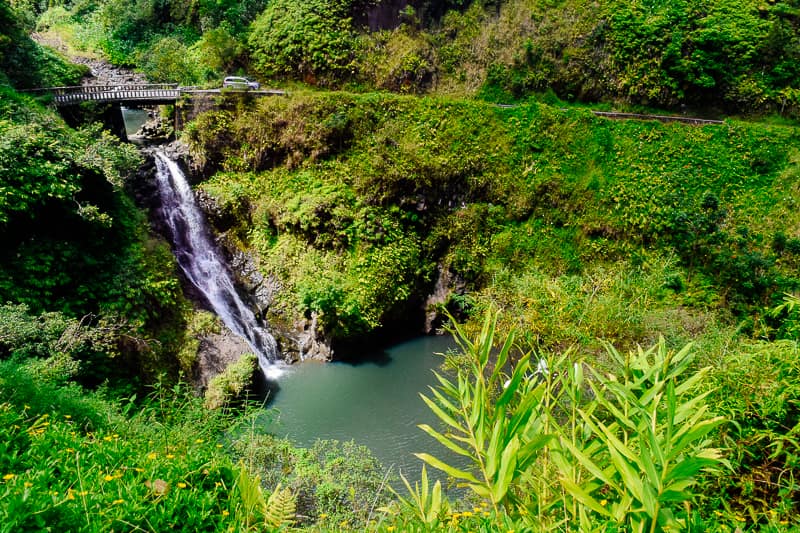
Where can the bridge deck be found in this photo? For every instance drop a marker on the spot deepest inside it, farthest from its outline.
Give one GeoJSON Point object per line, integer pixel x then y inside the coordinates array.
{"type": "Point", "coordinates": [164, 93]}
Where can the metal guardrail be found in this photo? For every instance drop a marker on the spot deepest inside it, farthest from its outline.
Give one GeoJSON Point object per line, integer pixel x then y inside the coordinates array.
{"type": "Point", "coordinates": [638, 116]}
{"type": "Point", "coordinates": [662, 118]}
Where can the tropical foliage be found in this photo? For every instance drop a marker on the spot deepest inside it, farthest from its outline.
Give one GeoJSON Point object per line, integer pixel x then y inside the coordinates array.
{"type": "Point", "coordinates": [595, 237]}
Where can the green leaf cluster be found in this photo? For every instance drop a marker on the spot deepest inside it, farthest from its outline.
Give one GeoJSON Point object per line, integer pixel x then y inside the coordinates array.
{"type": "Point", "coordinates": [628, 449]}
{"type": "Point", "coordinates": [310, 40]}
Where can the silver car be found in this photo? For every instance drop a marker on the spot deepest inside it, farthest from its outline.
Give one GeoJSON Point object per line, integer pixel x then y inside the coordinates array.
{"type": "Point", "coordinates": [237, 82]}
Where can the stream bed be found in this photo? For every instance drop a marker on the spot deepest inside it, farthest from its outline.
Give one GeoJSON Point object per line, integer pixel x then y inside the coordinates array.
{"type": "Point", "coordinates": [375, 403]}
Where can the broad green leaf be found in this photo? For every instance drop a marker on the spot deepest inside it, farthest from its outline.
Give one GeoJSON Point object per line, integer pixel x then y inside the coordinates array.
{"type": "Point", "coordinates": [436, 502]}
{"type": "Point", "coordinates": [516, 377]}
{"type": "Point", "coordinates": [444, 417]}
{"type": "Point", "coordinates": [630, 478]}
{"type": "Point", "coordinates": [648, 445]}
{"type": "Point", "coordinates": [583, 497]}
{"type": "Point", "coordinates": [528, 452]}
{"type": "Point", "coordinates": [446, 468]}
{"type": "Point", "coordinates": [505, 474]}
{"type": "Point", "coordinates": [444, 441]}
{"type": "Point", "coordinates": [697, 432]}
{"type": "Point", "coordinates": [502, 357]}
{"type": "Point", "coordinates": [589, 465]}
{"type": "Point", "coordinates": [496, 445]}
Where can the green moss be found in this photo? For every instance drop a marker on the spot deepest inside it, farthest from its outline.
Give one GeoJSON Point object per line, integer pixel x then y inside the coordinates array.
{"type": "Point", "coordinates": [200, 324]}
{"type": "Point", "coordinates": [231, 383]}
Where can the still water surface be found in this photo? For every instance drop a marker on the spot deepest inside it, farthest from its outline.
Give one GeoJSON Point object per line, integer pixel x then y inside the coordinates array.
{"type": "Point", "coordinates": [376, 403]}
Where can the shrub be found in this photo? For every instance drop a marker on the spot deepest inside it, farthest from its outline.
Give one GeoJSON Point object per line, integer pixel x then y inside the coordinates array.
{"type": "Point", "coordinates": [758, 390]}
{"type": "Point", "coordinates": [168, 61]}
{"type": "Point", "coordinates": [312, 40]}
{"type": "Point", "coordinates": [332, 481]}
{"type": "Point", "coordinates": [626, 448]}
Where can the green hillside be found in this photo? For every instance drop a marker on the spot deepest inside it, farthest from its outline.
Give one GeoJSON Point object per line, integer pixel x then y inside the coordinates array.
{"type": "Point", "coordinates": [624, 292]}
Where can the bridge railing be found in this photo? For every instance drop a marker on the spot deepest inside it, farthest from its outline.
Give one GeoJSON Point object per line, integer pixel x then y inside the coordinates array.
{"type": "Point", "coordinates": [67, 95]}
{"type": "Point", "coordinates": [149, 92]}
{"type": "Point", "coordinates": [89, 89]}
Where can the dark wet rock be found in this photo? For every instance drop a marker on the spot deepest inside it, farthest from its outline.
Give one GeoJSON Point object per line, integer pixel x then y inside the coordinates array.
{"type": "Point", "coordinates": [215, 353]}
{"type": "Point", "coordinates": [447, 285]}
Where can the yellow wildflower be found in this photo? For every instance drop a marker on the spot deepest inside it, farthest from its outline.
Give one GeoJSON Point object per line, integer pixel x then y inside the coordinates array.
{"type": "Point", "coordinates": [390, 528]}
{"type": "Point", "coordinates": [343, 524]}
{"type": "Point", "coordinates": [181, 485]}
{"type": "Point", "coordinates": [323, 516]}
{"type": "Point", "coordinates": [199, 441]}
{"type": "Point", "coordinates": [603, 502]}
{"type": "Point", "coordinates": [70, 495]}
{"type": "Point", "coordinates": [28, 484]}
{"type": "Point", "coordinates": [67, 416]}
{"type": "Point", "coordinates": [9, 477]}
{"type": "Point", "coordinates": [170, 456]}
{"type": "Point", "coordinates": [225, 512]}
{"type": "Point", "coordinates": [118, 502]}
{"type": "Point", "coordinates": [219, 445]}
{"type": "Point", "coordinates": [107, 438]}
{"type": "Point", "coordinates": [467, 513]}
{"type": "Point", "coordinates": [151, 455]}
{"type": "Point", "coordinates": [108, 477]}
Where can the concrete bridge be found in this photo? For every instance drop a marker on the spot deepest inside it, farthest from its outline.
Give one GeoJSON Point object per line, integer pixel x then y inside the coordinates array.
{"type": "Point", "coordinates": [115, 97]}
{"type": "Point", "coordinates": [133, 95]}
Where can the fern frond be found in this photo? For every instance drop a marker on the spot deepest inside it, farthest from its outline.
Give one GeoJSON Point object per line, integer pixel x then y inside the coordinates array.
{"type": "Point", "coordinates": [280, 509]}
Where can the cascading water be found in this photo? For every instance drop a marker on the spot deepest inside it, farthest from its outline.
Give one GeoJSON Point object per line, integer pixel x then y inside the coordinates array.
{"type": "Point", "coordinates": [203, 265]}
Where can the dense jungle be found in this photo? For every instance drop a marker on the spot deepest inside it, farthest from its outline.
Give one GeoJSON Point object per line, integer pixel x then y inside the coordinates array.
{"type": "Point", "coordinates": [623, 293]}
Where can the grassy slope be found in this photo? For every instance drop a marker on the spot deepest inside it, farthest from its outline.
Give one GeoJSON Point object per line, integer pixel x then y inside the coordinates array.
{"type": "Point", "coordinates": [352, 201]}
{"type": "Point", "coordinates": [580, 229]}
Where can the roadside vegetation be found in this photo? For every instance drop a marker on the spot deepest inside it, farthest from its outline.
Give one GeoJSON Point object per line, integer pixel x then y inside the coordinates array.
{"type": "Point", "coordinates": [730, 56]}
{"type": "Point", "coordinates": [625, 294]}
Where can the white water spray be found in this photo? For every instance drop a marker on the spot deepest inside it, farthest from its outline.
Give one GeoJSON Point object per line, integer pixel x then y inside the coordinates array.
{"type": "Point", "coordinates": [203, 265]}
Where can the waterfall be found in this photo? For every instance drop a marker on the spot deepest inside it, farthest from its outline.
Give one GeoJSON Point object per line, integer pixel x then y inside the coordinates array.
{"type": "Point", "coordinates": [203, 265]}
